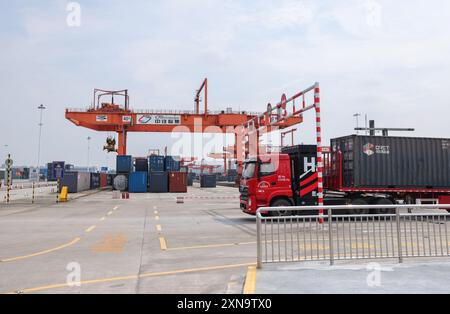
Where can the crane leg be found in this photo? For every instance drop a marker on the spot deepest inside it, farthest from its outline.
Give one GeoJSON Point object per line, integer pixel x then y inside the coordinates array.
{"type": "Point", "coordinates": [122, 145]}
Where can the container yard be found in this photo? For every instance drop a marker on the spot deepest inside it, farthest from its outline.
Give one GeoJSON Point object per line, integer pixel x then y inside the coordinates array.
{"type": "Point", "coordinates": [284, 147]}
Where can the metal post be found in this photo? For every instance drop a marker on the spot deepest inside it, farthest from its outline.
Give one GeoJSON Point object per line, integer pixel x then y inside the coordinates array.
{"type": "Point", "coordinates": [8, 179]}
{"type": "Point", "coordinates": [399, 235]}
{"type": "Point", "coordinates": [32, 196]}
{"type": "Point", "coordinates": [330, 235]}
{"type": "Point", "coordinates": [57, 190]}
{"type": "Point", "coordinates": [41, 109]}
{"type": "Point", "coordinates": [258, 241]}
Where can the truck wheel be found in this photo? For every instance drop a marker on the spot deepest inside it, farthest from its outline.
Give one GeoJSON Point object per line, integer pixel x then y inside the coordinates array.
{"type": "Point", "coordinates": [359, 211]}
{"type": "Point", "coordinates": [281, 203]}
{"type": "Point", "coordinates": [383, 211]}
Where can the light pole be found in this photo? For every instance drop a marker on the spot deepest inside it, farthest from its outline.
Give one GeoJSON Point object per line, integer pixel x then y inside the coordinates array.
{"type": "Point", "coordinates": [88, 151]}
{"type": "Point", "coordinates": [41, 109]}
{"type": "Point", "coordinates": [357, 115]}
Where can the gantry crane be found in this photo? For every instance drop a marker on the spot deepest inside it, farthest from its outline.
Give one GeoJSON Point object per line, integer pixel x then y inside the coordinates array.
{"type": "Point", "coordinates": [226, 157]}
{"type": "Point", "coordinates": [121, 119]}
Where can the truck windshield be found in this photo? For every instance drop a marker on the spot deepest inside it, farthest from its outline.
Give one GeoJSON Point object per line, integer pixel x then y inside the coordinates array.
{"type": "Point", "coordinates": [249, 170]}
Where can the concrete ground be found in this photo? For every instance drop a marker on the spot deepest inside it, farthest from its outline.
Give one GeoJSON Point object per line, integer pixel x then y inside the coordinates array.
{"type": "Point", "coordinates": [411, 277]}
{"type": "Point", "coordinates": [152, 244]}
{"type": "Point", "coordinates": [148, 244]}
{"type": "Point", "coordinates": [387, 277]}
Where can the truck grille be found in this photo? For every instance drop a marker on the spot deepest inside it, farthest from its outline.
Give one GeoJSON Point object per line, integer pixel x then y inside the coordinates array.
{"type": "Point", "coordinates": [244, 193]}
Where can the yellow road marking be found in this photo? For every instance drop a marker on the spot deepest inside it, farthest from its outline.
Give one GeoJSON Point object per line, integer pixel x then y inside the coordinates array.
{"type": "Point", "coordinates": [110, 213]}
{"type": "Point", "coordinates": [210, 246]}
{"type": "Point", "coordinates": [159, 228]}
{"type": "Point", "coordinates": [156, 212]}
{"type": "Point", "coordinates": [133, 277]}
{"type": "Point", "coordinates": [102, 219]}
{"type": "Point", "coordinates": [74, 241]}
{"type": "Point", "coordinates": [250, 281]}
{"type": "Point", "coordinates": [157, 218]}
{"type": "Point", "coordinates": [90, 228]}
{"type": "Point", "coordinates": [163, 244]}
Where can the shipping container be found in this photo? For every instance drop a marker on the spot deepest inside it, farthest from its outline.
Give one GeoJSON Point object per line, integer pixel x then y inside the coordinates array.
{"type": "Point", "coordinates": [156, 163]}
{"type": "Point", "coordinates": [232, 172]}
{"type": "Point", "coordinates": [138, 182]}
{"type": "Point", "coordinates": [208, 181]}
{"type": "Point", "coordinates": [110, 180]}
{"type": "Point", "coordinates": [177, 182]}
{"type": "Point", "coordinates": [50, 177]}
{"type": "Point", "coordinates": [95, 181]}
{"type": "Point", "coordinates": [76, 182]}
{"type": "Point", "coordinates": [120, 182]}
{"type": "Point", "coordinates": [158, 182]}
{"type": "Point", "coordinates": [141, 165]}
{"type": "Point", "coordinates": [103, 180]}
{"type": "Point", "coordinates": [124, 164]}
{"type": "Point", "coordinates": [172, 164]}
{"type": "Point", "coordinates": [393, 162]}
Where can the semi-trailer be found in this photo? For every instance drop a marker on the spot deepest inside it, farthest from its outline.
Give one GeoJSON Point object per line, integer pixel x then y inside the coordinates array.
{"type": "Point", "coordinates": [357, 170]}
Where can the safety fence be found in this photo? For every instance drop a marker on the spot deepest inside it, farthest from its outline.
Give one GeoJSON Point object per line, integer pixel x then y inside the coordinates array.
{"type": "Point", "coordinates": [335, 236]}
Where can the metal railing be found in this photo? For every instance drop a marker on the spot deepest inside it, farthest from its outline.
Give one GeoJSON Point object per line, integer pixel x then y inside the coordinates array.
{"type": "Point", "coordinates": [335, 236]}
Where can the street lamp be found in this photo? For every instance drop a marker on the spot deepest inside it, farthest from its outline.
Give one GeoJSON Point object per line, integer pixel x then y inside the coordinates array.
{"type": "Point", "coordinates": [41, 109]}
{"type": "Point", "coordinates": [88, 153]}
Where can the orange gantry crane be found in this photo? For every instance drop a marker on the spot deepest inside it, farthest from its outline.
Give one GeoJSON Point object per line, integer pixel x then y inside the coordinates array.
{"type": "Point", "coordinates": [226, 157]}
{"type": "Point", "coordinates": [121, 119]}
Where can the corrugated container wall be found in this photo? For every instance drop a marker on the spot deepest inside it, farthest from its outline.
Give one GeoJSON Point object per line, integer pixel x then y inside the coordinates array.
{"type": "Point", "coordinates": [76, 182]}
{"type": "Point", "coordinates": [124, 164]}
{"type": "Point", "coordinates": [394, 162]}
{"type": "Point", "coordinates": [177, 182]}
{"type": "Point", "coordinates": [141, 165]}
{"type": "Point", "coordinates": [156, 163]}
{"type": "Point", "coordinates": [103, 180]}
{"type": "Point", "coordinates": [138, 182]}
{"type": "Point", "coordinates": [171, 164]}
{"type": "Point", "coordinates": [158, 182]}
{"type": "Point", "coordinates": [208, 181]}
{"type": "Point", "coordinates": [95, 181]}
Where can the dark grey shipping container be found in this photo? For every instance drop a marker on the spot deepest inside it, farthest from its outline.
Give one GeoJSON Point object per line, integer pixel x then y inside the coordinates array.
{"type": "Point", "coordinates": [76, 181]}
{"type": "Point", "coordinates": [208, 181]}
{"type": "Point", "coordinates": [394, 162]}
{"type": "Point", "coordinates": [95, 181]}
{"type": "Point", "coordinates": [158, 182]}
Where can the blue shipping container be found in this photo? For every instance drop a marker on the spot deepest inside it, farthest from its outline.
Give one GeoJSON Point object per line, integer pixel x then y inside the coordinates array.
{"type": "Point", "coordinates": [156, 163]}
{"type": "Point", "coordinates": [124, 164]}
{"type": "Point", "coordinates": [171, 164]}
{"type": "Point", "coordinates": [138, 182]}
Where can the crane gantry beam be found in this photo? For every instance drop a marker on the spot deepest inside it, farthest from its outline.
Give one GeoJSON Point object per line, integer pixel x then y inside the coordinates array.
{"type": "Point", "coordinates": [112, 117]}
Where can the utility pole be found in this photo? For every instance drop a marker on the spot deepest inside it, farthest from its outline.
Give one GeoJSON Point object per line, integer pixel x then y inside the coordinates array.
{"type": "Point", "coordinates": [41, 109]}
{"type": "Point", "coordinates": [88, 151]}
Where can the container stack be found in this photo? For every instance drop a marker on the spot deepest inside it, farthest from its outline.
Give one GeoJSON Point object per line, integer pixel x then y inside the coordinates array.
{"type": "Point", "coordinates": [158, 177]}
{"type": "Point", "coordinates": [124, 166]}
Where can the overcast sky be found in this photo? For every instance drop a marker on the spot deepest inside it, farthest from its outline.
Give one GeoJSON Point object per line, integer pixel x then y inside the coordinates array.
{"type": "Point", "coordinates": [389, 59]}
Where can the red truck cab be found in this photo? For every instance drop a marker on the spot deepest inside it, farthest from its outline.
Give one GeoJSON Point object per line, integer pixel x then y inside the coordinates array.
{"type": "Point", "coordinates": [265, 181]}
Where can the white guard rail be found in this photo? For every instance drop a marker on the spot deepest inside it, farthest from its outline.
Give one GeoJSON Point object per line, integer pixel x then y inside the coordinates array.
{"type": "Point", "coordinates": [396, 234]}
